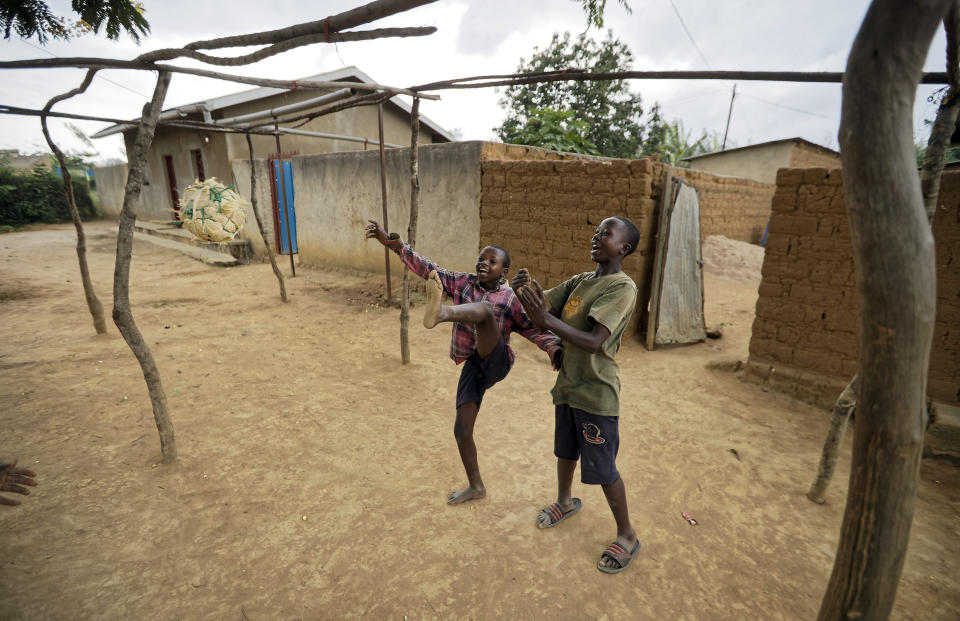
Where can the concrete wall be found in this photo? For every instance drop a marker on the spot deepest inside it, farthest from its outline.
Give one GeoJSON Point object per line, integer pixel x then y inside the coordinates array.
{"type": "Point", "coordinates": [806, 330]}
{"type": "Point", "coordinates": [111, 181]}
{"type": "Point", "coordinates": [336, 193]}
{"type": "Point", "coordinates": [759, 163]}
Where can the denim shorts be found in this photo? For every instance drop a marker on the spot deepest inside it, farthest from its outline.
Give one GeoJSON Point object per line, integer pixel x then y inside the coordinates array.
{"type": "Point", "coordinates": [479, 374]}
{"type": "Point", "coordinates": [593, 439]}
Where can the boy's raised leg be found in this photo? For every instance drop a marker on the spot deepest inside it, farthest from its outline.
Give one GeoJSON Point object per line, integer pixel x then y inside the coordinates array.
{"type": "Point", "coordinates": [432, 312]}
{"type": "Point", "coordinates": [463, 431]}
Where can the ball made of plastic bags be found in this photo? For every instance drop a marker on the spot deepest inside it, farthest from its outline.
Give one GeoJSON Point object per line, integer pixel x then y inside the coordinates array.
{"type": "Point", "coordinates": [212, 211]}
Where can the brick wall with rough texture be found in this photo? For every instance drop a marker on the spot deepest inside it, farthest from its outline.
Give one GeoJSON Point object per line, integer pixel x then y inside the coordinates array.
{"type": "Point", "coordinates": [806, 330]}
{"type": "Point", "coordinates": [544, 212]}
{"type": "Point", "coordinates": [730, 206]}
{"type": "Point", "coordinates": [806, 156]}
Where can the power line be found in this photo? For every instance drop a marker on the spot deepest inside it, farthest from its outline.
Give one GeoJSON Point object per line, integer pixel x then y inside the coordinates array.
{"type": "Point", "coordinates": [792, 109]}
{"type": "Point", "coordinates": [98, 76]}
{"type": "Point", "coordinates": [689, 36]}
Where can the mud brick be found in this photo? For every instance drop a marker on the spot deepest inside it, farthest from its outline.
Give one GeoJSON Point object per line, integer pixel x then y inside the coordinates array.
{"type": "Point", "coordinates": [823, 362]}
{"type": "Point", "coordinates": [816, 204]}
{"type": "Point", "coordinates": [848, 367]}
{"type": "Point", "coordinates": [789, 176]}
{"type": "Point", "coordinates": [640, 186]}
{"type": "Point", "coordinates": [641, 167]}
{"type": "Point", "coordinates": [815, 175]}
{"type": "Point", "coordinates": [841, 320]}
{"type": "Point", "coordinates": [834, 177]}
{"type": "Point", "coordinates": [813, 316]}
{"type": "Point", "coordinates": [764, 328]}
{"type": "Point", "coordinates": [770, 290]}
{"type": "Point", "coordinates": [763, 347]}
{"type": "Point", "coordinates": [788, 335]}
{"type": "Point", "coordinates": [844, 343]}
{"type": "Point", "coordinates": [783, 353]}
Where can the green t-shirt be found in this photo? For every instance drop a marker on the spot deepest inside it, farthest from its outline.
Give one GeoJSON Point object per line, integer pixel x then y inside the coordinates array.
{"type": "Point", "coordinates": [591, 382]}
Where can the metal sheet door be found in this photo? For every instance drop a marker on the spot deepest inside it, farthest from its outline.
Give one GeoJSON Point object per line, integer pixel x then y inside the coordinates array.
{"type": "Point", "coordinates": [286, 214]}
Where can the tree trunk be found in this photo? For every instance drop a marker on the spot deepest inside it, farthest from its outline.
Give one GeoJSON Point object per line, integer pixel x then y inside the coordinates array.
{"type": "Point", "coordinates": [256, 216]}
{"type": "Point", "coordinates": [93, 302]}
{"type": "Point", "coordinates": [412, 228]}
{"type": "Point", "coordinates": [933, 164]}
{"type": "Point", "coordinates": [896, 279]}
{"type": "Point", "coordinates": [122, 314]}
{"type": "Point", "coordinates": [842, 409]}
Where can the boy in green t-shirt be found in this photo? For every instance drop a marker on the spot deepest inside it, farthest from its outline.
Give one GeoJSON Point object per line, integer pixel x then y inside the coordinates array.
{"type": "Point", "coordinates": [589, 313]}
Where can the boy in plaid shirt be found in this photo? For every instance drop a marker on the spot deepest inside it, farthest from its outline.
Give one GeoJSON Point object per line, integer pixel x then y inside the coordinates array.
{"type": "Point", "coordinates": [485, 311]}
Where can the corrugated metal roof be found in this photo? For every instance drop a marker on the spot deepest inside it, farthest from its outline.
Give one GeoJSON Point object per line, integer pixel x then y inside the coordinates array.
{"type": "Point", "coordinates": [233, 99]}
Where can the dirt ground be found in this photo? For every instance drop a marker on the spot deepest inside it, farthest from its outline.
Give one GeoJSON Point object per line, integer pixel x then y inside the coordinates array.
{"type": "Point", "coordinates": [314, 468]}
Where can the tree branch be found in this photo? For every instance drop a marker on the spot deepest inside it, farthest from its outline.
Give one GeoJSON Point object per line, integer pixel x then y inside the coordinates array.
{"type": "Point", "coordinates": [107, 63]}
{"type": "Point", "coordinates": [93, 302]}
{"type": "Point", "coordinates": [283, 46]}
{"type": "Point", "coordinates": [580, 75]}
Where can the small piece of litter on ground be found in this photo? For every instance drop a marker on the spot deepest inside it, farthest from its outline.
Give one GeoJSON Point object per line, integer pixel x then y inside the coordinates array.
{"type": "Point", "coordinates": [735, 454]}
{"type": "Point", "coordinates": [303, 517]}
{"type": "Point", "coordinates": [689, 518]}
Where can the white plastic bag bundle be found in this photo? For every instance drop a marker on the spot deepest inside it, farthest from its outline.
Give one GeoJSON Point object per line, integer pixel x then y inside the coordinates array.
{"type": "Point", "coordinates": [212, 211]}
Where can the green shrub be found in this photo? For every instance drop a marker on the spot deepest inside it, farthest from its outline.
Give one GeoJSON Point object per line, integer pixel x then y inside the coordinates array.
{"type": "Point", "coordinates": [38, 196]}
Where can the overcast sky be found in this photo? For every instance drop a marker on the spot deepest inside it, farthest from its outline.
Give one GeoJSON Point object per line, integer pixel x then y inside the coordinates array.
{"type": "Point", "coordinates": [479, 37]}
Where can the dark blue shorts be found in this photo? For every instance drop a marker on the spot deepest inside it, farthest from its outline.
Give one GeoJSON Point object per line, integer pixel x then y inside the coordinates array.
{"type": "Point", "coordinates": [593, 439]}
{"type": "Point", "coordinates": [479, 374]}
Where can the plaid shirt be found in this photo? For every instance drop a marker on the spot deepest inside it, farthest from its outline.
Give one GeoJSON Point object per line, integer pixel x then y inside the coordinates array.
{"type": "Point", "coordinates": [464, 288]}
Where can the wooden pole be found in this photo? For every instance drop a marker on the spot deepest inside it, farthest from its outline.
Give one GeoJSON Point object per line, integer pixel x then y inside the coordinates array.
{"type": "Point", "coordinates": [283, 199]}
{"type": "Point", "coordinates": [256, 216]}
{"type": "Point", "coordinates": [733, 96]}
{"type": "Point", "coordinates": [383, 197]}
{"type": "Point", "coordinates": [412, 228]}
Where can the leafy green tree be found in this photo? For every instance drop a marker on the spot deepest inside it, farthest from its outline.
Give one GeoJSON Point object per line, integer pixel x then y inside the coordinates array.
{"type": "Point", "coordinates": [672, 143]}
{"type": "Point", "coordinates": [34, 17]}
{"type": "Point", "coordinates": [558, 130]}
{"type": "Point", "coordinates": [612, 112]}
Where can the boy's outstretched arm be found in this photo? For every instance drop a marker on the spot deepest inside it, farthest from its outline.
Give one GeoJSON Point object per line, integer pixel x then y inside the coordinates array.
{"type": "Point", "coordinates": [452, 281]}
{"type": "Point", "coordinates": [536, 306]}
{"type": "Point", "coordinates": [375, 231]}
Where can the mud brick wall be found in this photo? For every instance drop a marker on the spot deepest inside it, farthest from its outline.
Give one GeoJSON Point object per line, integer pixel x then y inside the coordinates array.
{"type": "Point", "coordinates": [730, 206]}
{"type": "Point", "coordinates": [806, 330]}
{"type": "Point", "coordinates": [806, 156]}
{"type": "Point", "coordinates": [545, 213]}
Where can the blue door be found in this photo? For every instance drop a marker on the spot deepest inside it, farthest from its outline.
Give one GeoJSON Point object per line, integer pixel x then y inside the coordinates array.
{"type": "Point", "coordinates": [286, 214]}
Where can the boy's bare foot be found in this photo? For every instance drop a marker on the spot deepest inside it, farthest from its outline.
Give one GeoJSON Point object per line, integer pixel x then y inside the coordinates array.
{"type": "Point", "coordinates": [431, 314]}
{"type": "Point", "coordinates": [465, 494]}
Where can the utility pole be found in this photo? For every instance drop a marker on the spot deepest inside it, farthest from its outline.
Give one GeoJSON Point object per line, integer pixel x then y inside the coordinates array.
{"type": "Point", "coordinates": [723, 147]}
